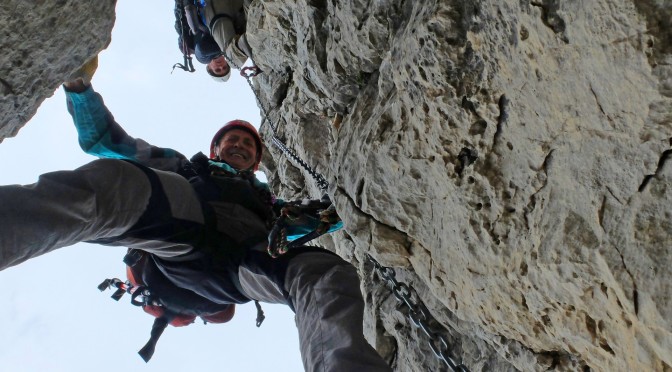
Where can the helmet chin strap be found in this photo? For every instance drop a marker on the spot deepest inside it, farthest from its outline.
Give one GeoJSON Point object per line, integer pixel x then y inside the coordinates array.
{"type": "Point", "coordinates": [250, 169]}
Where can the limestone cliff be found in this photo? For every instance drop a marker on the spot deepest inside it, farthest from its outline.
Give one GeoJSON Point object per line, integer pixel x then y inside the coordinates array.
{"type": "Point", "coordinates": [510, 158]}
{"type": "Point", "coordinates": [43, 42]}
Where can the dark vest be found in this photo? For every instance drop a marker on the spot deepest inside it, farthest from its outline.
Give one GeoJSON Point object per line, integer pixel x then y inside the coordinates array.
{"type": "Point", "coordinates": [237, 219]}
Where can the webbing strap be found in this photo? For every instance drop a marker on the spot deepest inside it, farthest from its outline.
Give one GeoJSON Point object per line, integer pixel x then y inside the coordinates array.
{"type": "Point", "coordinates": [159, 326]}
{"type": "Point", "coordinates": [260, 313]}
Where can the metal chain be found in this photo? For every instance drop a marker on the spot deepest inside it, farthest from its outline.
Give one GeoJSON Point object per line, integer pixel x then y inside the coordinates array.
{"type": "Point", "coordinates": [319, 179]}
{"type": "Point", "coordinates": [418, 314]}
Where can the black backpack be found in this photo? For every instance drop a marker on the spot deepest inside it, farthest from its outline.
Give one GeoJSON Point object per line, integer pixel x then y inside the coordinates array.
{"type": "Point", "coordinates": [157, 296]}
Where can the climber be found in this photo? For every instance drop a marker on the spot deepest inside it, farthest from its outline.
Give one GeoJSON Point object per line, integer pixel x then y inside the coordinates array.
{"type": "Point", "coordinates": [195, 38]}
{"type": "Point", "coordinates": [226, 21]}
{"type": "Point", "coordinates": [204, 222]}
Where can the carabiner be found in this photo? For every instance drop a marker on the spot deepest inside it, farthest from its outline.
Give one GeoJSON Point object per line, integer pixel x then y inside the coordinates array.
{"type": "Point", "coordinates": [253, 71]}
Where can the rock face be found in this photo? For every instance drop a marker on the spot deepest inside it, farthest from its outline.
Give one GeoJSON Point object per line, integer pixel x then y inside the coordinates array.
{"type": "Point", "coordinates": [511, 159]}
{"type": "Point", "coordinates": [69, 32]}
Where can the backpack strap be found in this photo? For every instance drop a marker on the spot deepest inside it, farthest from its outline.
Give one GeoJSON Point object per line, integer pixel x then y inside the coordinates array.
{"type": "Point", "coordinates": [260, 313]}
{"type": "Point", "coordinates": [133, 256]}
{"type": "Point", "coordinates": [159, 326]}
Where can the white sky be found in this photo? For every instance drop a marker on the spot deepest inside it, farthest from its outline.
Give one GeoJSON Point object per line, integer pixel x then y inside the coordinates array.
{"type": "Point", "coordinates": [52, 316]}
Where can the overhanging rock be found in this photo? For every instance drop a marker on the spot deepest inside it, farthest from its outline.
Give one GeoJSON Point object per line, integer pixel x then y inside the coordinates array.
{"type": "Point", "coordinates": [42, 43]}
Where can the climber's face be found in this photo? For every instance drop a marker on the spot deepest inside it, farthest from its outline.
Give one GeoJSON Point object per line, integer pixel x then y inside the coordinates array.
{"type": "Point", "coordinates": [218, 66]}
{"type": "Point", "coordinates": [238, 149]}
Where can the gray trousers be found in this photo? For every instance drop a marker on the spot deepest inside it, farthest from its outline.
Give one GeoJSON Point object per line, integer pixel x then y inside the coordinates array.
{"type": "Point", "coordinates": [106, 197]}
{"type": "Point", "coordinates": [223, 30]}
{"type": "Point", "coordinates": [102, 199]}
{"type": "Point", "coordinates": [324, 290]}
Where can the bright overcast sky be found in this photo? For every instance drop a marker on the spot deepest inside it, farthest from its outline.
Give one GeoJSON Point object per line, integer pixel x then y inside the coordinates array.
{"type": "Point", "coordinates": [52, 316]}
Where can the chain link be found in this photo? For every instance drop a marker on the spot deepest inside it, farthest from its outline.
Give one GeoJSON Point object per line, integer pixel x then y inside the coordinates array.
{"type": "Point", "coordinates": [418, 315]}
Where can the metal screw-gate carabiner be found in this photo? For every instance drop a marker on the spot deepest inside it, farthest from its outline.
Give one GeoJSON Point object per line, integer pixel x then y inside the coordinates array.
{"type": "Point", "coordinates": [250, 71]}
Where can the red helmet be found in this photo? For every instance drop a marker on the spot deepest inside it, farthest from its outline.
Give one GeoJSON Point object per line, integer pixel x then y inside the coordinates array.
{"type": "Point", "coordinates": [238, 124]}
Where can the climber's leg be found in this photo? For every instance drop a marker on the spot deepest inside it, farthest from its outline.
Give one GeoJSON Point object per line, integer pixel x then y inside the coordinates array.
{"type": "Point", "coordinates": [324, 292]}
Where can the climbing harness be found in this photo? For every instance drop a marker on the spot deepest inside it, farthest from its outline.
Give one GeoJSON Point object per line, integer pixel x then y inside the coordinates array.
{"type": "Point", "coordinates": [418, 314]}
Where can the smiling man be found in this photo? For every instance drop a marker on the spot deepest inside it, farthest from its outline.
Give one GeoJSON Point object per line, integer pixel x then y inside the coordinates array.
{"type": "Point", "coordinates": [201, 223]}
{"type": "Point", "coordinates": [237, 144]}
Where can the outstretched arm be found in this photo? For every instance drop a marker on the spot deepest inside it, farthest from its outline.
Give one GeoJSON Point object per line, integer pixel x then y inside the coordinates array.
{"type": "Point", "coordinates": [100, 135]}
